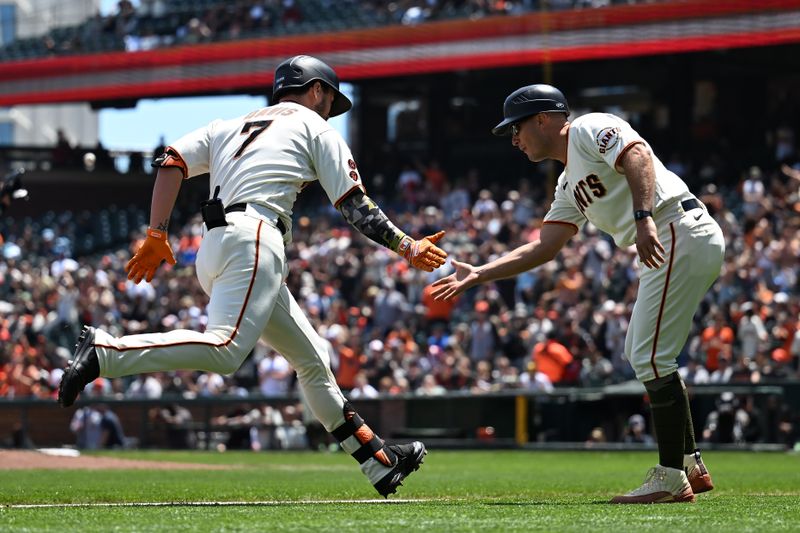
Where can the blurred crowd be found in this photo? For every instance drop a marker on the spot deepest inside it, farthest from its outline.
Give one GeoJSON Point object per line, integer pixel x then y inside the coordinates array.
{"type": "Point", "coordinates": [150, 24]}
{"type": "Point", "coordinates": [562, 324]}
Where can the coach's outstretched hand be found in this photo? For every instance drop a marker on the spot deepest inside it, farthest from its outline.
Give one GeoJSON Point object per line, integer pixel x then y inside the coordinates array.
{"type": "Point", "coordinates": [424, 254]}
{"type": "Point", "coordinates": [463, 278]}
{"type": "Point", "coordinates": [148, 257]}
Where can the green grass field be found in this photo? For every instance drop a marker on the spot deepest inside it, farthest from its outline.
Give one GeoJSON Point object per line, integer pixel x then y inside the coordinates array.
{"type": "Point", "coordinates": [453, 491]}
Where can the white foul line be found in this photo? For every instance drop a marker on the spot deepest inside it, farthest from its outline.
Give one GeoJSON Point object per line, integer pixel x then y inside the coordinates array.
{"type": "Point", "coordinates": [266, 503]}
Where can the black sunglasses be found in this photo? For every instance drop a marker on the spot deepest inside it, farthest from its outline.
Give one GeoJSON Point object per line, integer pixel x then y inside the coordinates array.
{"type": "Point", "coordinates": [515, 126]}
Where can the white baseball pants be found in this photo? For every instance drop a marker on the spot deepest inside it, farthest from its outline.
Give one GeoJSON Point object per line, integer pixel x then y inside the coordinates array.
{"type": "Point", "coordinates": [668, 297]}
{"type": "Point", "coordinates": [241, 267]}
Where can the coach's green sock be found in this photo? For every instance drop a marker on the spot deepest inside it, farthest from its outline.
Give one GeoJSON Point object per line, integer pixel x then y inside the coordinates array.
{"type": "Point", "coordinates": [689, 443]}
{"type": "Point", "coordinates": [670, 416]}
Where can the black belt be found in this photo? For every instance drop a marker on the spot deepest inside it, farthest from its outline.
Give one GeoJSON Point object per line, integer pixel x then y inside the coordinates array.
{"type": "Point", "coordinates": [242, 207]}
{"type": "Point", "coordinates": [688, 205]}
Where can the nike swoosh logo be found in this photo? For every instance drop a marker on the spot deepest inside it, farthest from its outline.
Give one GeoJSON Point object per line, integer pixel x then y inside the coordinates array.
{"type": "Point", "coordinates": [698, 216]}
{"type": "Point", "coordinates": [565, 186]}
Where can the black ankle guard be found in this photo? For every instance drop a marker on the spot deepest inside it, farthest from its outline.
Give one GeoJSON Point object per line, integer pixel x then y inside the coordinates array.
{"type": "Point", "coordinates": [368, 449]}
{"type": "Point", "coordinates": [371, 444]}
{"type": "Point", "coordinates": [351, 423]}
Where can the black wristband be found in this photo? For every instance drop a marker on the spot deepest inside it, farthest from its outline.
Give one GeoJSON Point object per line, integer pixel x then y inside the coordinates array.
{"type": "Point", "coordinates": [642, 214]}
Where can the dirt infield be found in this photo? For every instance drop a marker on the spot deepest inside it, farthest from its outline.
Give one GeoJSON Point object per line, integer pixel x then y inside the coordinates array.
{"type": "Point", "coordinates": [27, 460]}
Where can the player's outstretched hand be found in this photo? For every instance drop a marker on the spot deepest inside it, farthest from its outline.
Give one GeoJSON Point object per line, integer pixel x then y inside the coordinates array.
{"type": "Point", "coordinates": [424, 254]}
{"type": "Point", "coordinates": [651, 252]}
{"type": "Point", "coordinates": [148, 257]}
{"type": "Point", "coordinates": [451, 286]}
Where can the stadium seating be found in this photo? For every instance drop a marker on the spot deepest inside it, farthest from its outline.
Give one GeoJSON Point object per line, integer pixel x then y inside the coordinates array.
{"type": "Point", "coordinates": [302, 17]}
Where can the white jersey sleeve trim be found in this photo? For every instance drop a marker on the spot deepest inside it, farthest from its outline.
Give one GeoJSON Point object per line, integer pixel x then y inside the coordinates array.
{"type": "Point", "coordinates": [175, 161]}
{"type": "Point", "coordinates": [563, 223]}
{"type": "Point", "coordinates": [346, 194]}
{"type": "Point", "coordinates": [625, 151]}
{"type": "Point", "coordinates": [194, 149]}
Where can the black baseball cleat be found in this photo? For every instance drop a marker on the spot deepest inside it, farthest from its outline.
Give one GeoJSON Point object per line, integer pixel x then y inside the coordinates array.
{"type": "Point", "coordinates": [83, 369]}
{"type": "Point", "coordinates": [409, 459]}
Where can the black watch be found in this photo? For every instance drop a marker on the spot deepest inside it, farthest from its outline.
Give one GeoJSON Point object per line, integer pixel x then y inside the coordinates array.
{"type": "Point", "coordinates": [642, 214]}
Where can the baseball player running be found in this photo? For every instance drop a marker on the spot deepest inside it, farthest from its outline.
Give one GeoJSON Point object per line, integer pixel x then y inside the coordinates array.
{"type": "Point", "coordinates": [258, 164]}
{"type": "Point", "coordinates": [612, 178]}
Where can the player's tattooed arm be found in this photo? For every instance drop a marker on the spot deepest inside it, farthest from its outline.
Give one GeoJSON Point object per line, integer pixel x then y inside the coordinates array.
{"type": "Point", "coordinates": [364, 214]}
{"type": "Point", "coordinates": [165, 192]}
{"type": "Point", "coordinates": [637, 165]}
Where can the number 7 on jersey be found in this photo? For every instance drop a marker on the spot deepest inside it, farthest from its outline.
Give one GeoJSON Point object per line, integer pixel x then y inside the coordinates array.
{"type": "Point", "coordinates": [258, 126]}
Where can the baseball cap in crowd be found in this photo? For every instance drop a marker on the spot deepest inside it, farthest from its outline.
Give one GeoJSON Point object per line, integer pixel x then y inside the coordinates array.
{"type": "Point", "coordinates": [333, 332]}
{"type": "Point", "coordinates": [636, 420]}
{"type": "Point", "coordinates": [11, 251]}
{"type": "Point", "coordinates": [780, 355]}
{"type": "Point", "coordinates": [375, 345]}
{"type": "Point", "coordinates": [54, 378]}
{"type": "Point", "coordinates": [482, 306]}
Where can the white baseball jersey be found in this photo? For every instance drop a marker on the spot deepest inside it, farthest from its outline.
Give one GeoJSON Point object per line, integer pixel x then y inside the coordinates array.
{"type": "Point", "coordinates": [264, 158]}
{"type": "Point", "coordinates": [269, 155]}
{"type": "Point", "coordinates": [591, 188]}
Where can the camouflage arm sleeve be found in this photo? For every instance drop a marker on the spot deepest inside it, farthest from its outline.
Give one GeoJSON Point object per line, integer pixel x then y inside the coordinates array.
{"type": "Point", "coordinates": [365, 215]}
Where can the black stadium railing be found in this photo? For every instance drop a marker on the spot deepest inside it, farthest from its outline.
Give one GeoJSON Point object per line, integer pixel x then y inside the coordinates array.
{"type": "Point", "coordinates": [564, 418]}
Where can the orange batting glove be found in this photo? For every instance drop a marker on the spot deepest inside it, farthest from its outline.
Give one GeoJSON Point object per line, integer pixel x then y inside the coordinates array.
{"type": "Point", "coordinates": [423, 254]}
{"type": "Point", "coordinates": [148, 257]}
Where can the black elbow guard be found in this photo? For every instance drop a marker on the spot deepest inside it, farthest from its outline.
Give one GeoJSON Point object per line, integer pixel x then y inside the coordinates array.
{"type": "Point", "coordinates": [170, 158]}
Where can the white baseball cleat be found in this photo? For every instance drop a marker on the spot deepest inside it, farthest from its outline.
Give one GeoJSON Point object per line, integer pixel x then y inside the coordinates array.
{"type": "Point", "coordinates": [697, 473]}
{"type": "Point", "coordinates": [661, 485]}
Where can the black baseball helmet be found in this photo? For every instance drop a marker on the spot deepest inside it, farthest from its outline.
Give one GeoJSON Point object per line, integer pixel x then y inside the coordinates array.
{"type": "Point", "coordinates": [299, 71]}
{"type": "Point", "coordinates": [530, 100]}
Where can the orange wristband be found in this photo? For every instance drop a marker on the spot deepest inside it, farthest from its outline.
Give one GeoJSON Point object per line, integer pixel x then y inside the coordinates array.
{"type": "Point", "coordinates": [157, 234]}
